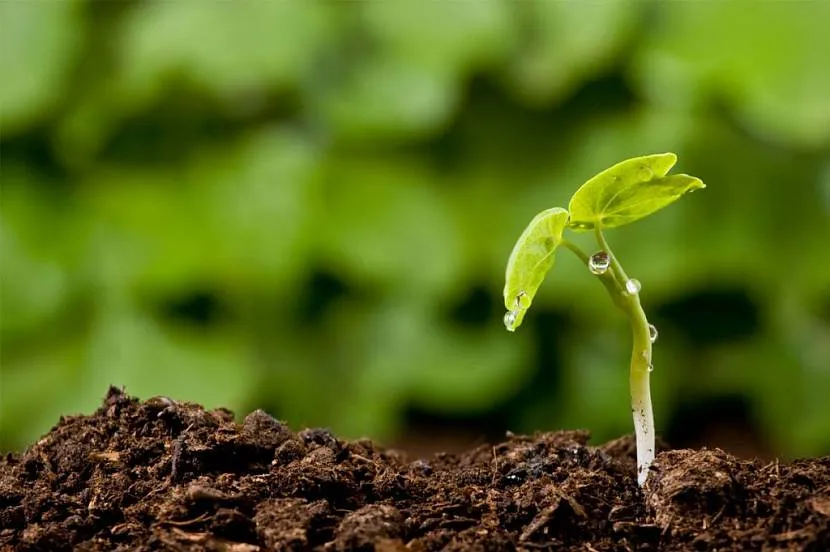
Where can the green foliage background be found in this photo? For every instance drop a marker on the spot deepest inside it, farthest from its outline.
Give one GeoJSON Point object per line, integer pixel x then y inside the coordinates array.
{"type": "Point", "coordinates": [308, 206]}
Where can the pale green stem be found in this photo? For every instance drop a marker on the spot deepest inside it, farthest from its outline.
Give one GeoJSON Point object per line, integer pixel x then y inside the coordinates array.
{"type": "Point", "coordinates": [576, 250]}
{"type": "Point", "coordinates": [614, 281]}
{"type": "Point", "coordinates": [640, 369]}
{"type": "Point", "coordinates": [607, 279]}
{"type": "Point", "coordinates": [616, 268]}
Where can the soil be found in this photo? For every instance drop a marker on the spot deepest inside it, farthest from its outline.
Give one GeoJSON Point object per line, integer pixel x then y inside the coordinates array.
{"type": "Point", "coordinates": [163, 475]}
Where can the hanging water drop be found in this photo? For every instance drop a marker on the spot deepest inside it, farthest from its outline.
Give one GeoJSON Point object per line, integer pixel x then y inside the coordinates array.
{"type": "Point", "coordinates": [633, 286]}
{"type": "Point", "coordinates": [510, 320]}
{"type": "Point", "coordinates": [599, 262]}
{"type": "Point", "coordinates": [652, 332]}
{"type": "Point", "coordinates": [650, 367]}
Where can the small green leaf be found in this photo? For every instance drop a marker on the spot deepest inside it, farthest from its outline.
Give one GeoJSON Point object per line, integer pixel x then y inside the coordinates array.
{"type": "Point", "coordinates": [531, 259]}
{"type": "Point", "coordinates": [629, 191]}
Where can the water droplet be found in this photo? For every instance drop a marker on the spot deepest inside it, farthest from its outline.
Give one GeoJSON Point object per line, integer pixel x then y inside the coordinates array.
{"type": "Point", "coordinates": [646, 173]}
{"type": "Point", "coordinates": [633, 286]}
{"type": "Point", "coordinates": [650, 367]}
{"type": "Point", "coordinates": [510, 319]}
{"type": "Point", "coordinates": [599, 262]}
{"type": "Point", "coordinates": [652, 332]}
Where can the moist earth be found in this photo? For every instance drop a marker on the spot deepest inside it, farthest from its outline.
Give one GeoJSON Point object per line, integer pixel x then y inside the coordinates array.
{"type": "Point", "coordinates": [166, 475]}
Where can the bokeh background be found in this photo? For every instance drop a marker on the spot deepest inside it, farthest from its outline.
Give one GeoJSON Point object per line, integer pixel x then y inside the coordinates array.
{"type": "Point", "coordinates": [307, 206]}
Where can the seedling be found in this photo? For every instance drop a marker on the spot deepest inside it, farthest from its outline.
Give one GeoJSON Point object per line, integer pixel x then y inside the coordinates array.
{"type": "Point", "coordinates": [624, 193]}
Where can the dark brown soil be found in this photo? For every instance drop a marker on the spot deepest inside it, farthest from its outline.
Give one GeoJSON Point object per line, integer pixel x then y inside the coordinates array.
{"type": "Point", "coordinates": [160, 475]}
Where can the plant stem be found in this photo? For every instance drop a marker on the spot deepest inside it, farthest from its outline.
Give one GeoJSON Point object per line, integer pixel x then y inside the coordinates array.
{"type": "Point", "coordinates": [576, 250]}
{"type": "Point", "coordinates": [640, 369]}
{"type": "Point", "coordinates": [616, 268]}
{"type": "Point", "coordinates": [607, 279]}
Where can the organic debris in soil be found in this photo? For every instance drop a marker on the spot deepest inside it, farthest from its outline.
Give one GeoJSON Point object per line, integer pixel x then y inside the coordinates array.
{"type": "Point", "coordinates": [162, 475]}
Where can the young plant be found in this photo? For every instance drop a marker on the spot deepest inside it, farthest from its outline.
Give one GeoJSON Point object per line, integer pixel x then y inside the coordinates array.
{"type": "Point", "coordinates": [624, 193]}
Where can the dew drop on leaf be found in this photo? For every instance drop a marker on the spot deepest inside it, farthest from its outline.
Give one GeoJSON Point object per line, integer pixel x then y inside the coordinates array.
{"type": "Point", "coordinates": [633, 286]}
{"type": "Point", "coordinates": [599, 262]}
{"type": "Point", "coordinates": [652, 332]}
{"type": "Point", "coordinates": [651, 367]}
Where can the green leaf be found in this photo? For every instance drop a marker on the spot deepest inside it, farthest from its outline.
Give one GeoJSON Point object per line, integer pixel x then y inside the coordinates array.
{"type": "Point", "coordinates": [629, 191]}
{"type": "Point", "coordinates": [531, 259]}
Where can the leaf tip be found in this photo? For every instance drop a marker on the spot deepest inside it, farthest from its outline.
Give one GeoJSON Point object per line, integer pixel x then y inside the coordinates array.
{"type": "Point", "coordinates": [694, 183]}
{"type": "Point", "coordinates": [662, 163]}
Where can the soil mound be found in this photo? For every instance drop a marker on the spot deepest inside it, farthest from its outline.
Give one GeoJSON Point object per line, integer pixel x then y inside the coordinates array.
{"type": "Point", "coordinates": [162, 475]}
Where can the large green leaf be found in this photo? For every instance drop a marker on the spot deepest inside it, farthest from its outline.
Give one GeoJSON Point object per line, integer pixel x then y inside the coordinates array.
{"type": "Point", "coordinates": [629, 191]}
{"type": "Point", "coordinates": [531, 258]}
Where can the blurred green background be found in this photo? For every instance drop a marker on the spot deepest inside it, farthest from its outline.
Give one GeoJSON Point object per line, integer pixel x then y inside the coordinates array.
{"type": "Point", "coordinates": [307, 207]}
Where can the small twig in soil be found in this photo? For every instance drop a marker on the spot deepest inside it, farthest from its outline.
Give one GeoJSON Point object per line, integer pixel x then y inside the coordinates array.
{"type": "Point", "coordinates": [178, 445]}
{"type": "Point", "coordinates": [185, 523]}
{"type": "Point", "coordinates": [543, 517]}
{"type": "Point", "coordinates": [717, 516]}
{"type": "Point", "coordinates": [667, 528]}
{"type": "Point", "coordinates": [464, 521]}
{"type": "Point", "coordinates": [178, 450]}
{"type": "Point", "coordinates": [554, 544]}
{"type": "Point", "coordinates": [200, 492]}
{"type": "Point", "coordinates": [112, 457]}
{"type": "Point", "coordinates": [495, 464]}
